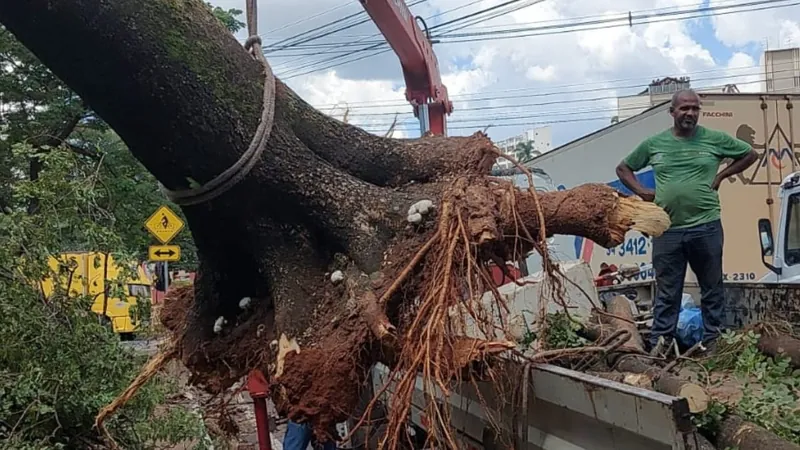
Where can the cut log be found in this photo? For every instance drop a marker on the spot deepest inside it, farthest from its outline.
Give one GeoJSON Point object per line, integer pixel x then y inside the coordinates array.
{"type": "Point", "coordinates": [737, 433]}
{"type": "Point", "coordinates": [324, 196]}
{"type": "Point", "coordinates": [620, 317]}
{"type": "Point", "coordinates": [779, 344]}
{"type": "Point", "coordinates": [667, 383]}
{"type": "Point", "coordinates": [641, 380]}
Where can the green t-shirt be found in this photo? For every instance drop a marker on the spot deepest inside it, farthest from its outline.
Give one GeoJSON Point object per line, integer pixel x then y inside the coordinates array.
{"type": "Point", "coordinates": [684, 171]}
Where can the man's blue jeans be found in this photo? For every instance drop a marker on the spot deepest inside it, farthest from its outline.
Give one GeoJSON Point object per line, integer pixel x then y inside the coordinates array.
{"type": "Point", "coordinates": [299, 436]}
{"type": "Point", "coordinates": [701, 247]}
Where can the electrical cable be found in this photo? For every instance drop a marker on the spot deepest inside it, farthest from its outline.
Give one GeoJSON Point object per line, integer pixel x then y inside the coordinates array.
{"type": "Point", "coordinates": [377, 44]}
{"type": "Point", "coordinates": [559, 29]}
{"type": "Point", "coordinates": [489, 96]}
{"type": "Point", "coordinates": [478, 123]}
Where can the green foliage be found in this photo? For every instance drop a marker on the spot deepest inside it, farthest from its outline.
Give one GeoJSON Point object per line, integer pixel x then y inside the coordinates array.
{"type": "Point", "coordinates": [710, 419]}
{"type": "Point", "coordinates": [560, 332]}
{"type": "Point", "coordinates": [228, 17]}
{"type": "Point", "coordinates": [58, 364]}
{"type": "Point", "coordinates": [771, 390]}
{"type": "Point", "coordinates": [525, 152]}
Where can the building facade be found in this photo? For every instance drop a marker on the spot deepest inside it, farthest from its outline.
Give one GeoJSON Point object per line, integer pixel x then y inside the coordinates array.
{"type": "Point", "coordinates": [540, 140]}
{"type": "Point", "coordinates": [781, 70]}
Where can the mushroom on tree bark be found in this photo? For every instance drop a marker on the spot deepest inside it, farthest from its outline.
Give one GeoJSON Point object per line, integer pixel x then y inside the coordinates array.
{"type": "Point", "coordinates": [324, 196]}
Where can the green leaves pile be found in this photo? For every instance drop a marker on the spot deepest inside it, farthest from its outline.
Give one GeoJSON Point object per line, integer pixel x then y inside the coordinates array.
{"type": "Point", "coordinates": [771, 387]}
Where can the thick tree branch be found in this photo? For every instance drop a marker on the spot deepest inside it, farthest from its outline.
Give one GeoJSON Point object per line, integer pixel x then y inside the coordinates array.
{"type": "Point", "coordinates": [385, 161]}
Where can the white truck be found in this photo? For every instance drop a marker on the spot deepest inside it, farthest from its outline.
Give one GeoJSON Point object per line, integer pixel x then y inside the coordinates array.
{"type": "Point", "coordinates": [785, 252]}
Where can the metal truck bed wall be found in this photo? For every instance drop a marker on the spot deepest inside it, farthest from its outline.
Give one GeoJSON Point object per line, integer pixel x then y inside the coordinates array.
{"type": "Point", "coordinates": [746, 303]}
{"type": "Point", "coordinates": [565, 410]}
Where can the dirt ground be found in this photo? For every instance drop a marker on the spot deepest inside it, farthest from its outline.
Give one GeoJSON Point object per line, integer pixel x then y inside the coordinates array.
{"type": "Point", "coordinates": [241, 406]}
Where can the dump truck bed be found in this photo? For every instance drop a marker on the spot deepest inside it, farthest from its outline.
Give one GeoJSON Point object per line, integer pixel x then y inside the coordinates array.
{"type": "Point", "coordinates": [549, 407]}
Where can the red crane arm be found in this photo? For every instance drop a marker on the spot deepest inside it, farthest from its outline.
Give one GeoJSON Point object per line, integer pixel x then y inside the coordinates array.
{"type": "Point", "coordinates": [424, 88]}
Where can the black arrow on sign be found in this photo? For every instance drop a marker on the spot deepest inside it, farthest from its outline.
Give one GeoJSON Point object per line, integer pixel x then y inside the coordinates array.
{"type": "Point", "coordinates": [169, 252]}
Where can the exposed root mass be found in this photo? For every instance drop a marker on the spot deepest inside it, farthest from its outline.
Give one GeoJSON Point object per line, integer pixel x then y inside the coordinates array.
{"type": "Point", "coordinates": [401, 315]}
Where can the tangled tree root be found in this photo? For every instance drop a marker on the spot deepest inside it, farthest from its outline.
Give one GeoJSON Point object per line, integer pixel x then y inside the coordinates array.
{"type": "Point", "coordinates": [403, 317]}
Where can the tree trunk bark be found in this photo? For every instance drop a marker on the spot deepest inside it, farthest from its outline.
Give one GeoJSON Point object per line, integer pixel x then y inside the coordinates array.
{"type": "Point", "coordinates": [742, 435]}
{"type": "Point", "coordinates": [779, 344]}
{"type": "Point", "coordinates": [621, 318]}
{"type": "Point", "coordinates": [323, 197]}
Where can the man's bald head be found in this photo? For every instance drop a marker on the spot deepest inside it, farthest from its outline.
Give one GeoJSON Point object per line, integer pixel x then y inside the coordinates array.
{"type": "Point", "coordinates": [684, 94]}
{"type": "Point", "coordinates": [685, 110]}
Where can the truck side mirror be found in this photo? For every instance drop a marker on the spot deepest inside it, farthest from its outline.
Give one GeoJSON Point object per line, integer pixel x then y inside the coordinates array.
{"type": "Point", "coordinates": [767, 244]}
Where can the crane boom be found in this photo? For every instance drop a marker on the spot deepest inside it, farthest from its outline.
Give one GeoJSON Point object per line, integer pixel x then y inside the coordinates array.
{"type": "Point", "coordinates": [424, 88]}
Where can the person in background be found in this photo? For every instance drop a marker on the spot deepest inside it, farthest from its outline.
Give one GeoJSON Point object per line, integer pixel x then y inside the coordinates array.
{"type": "Point", "coordinates": [685, 160]}
{"type": "Point", "coordinates": [299, 435]}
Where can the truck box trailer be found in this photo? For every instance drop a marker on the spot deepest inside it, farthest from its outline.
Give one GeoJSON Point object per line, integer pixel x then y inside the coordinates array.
{"type": "Point", "coordinates": [764, 121]}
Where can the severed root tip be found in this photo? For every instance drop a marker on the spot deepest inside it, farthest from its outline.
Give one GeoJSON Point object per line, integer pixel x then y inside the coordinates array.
{"type": "Point", "coordinates": [285, 346]}
{"type": "Point", "coordinates": [467, 350]}
{"type": "Point", "coordinates": [373, 314]}
{"type": "Point", "coordinates": [633, 213]}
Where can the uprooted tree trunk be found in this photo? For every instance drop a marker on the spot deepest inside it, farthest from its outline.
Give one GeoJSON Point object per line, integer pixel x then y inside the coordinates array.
{"type": "Point", "coordinates": [324, 196]}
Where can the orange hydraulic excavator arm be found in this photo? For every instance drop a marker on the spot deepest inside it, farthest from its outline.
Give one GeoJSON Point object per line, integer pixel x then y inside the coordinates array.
{"type": "Point", "coordinates": [424, 88]}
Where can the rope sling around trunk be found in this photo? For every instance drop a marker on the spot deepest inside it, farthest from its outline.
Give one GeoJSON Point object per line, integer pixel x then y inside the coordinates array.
{"type": "Point", "coordinates": [213, 189]}
{"type": "Point", "coordinates": [239, 170]}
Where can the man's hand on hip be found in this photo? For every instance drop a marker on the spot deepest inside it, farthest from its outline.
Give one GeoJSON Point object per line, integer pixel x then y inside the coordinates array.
{"type": "Point", "coordinates": [647, 195]}
{"type": "Point", "coordinates": [717, 182]}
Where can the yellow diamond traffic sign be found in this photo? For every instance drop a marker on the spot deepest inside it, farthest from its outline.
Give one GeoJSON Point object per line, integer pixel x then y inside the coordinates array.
{"type": "Point", "coordinates": [164, 253]}
{"type": "Point", "coordinates": [164, 224]}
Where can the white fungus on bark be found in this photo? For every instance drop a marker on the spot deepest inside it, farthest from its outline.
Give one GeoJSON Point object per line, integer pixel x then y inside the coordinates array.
{"type": "Point", "coordinates": [337, 277]}
{"type": "Point", "coordinates": [244, 302]}
{"type": "Point", "coordinates": [422, 207]}
{"type": "Point", "coordinates": [415, 218]}
{"type": "Point", "coordinates": [219, 323]}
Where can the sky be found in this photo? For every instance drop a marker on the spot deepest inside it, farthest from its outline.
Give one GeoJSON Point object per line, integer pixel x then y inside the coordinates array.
{"type": "Point", "coordinates": [566, 77]}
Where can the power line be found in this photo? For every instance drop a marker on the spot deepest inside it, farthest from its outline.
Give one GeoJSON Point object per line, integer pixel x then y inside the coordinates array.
{"type": "Point", "coordinates": [567, 27]}
{"type": "Point", "coordinates": [639, 19]}
{"type": "Point", "coordinates": [560, 91]}
{"type": "Point", "coordinates": [477, 20]}
{"type": "Point", "coordinates": [557, 89]}
{"type": "Point", "coordinates": [380, 44]}
{"type": "Point", "coordinates": [476, 123]}
{"type": "Point", "coordinates": [306, 19]}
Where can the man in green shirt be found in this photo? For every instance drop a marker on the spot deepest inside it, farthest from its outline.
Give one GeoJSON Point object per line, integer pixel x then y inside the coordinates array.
{"type": "Point", "coordinates": [685, 160]}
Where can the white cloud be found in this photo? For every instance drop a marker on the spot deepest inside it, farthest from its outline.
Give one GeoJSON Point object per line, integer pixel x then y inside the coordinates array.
{"type": "Point", "coordinates": [339, 97]}
{"type": "Point", "coordinates": [539, 73]}
{"type": "Point", "coordinates": [549, 78]}
{"type": "Point", "coordinates": [773, 27]}
{"type": "Point", "coordinates": [740, 64]}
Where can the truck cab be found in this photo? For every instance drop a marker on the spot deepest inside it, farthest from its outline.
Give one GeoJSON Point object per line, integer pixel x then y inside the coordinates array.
{"type": "Point", "coordinates": [114, 291]}
{"type": "Point", "coordinates": [785, 250]}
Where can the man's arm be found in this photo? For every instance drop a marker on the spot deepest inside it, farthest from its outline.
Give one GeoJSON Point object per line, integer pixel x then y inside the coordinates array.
{"type": "Point", "coordinates": [740, 152]}
{"type": "Point", "coordinates": [736, 167]}
{"type": "Point", "coordinates": [628, 178]}
{"type": "Point", "coordinates": [637, 160]}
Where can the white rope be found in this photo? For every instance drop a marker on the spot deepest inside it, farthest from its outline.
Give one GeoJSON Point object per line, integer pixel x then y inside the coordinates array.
{"type": "Point", "coordinates": [239, 170]}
